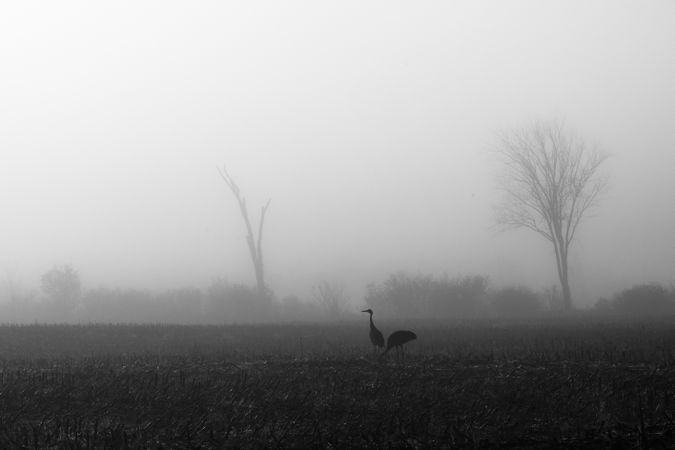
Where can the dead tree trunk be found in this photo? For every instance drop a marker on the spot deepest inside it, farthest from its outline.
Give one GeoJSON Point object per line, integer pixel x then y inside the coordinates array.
{"type": "Point", "coordinates": [254, 242]}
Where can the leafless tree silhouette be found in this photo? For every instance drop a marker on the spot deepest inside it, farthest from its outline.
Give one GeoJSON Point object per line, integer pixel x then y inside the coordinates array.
{"type": "Point", "coordinates": [254, 242]}
{"type": "Point", "coordinates": [550, 180]}
{"type": "Point", "coordinates": [331, 297]}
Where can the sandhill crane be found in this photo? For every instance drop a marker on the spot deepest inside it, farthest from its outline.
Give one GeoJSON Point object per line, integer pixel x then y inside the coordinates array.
{"type": "Point", "coordinates": [397, 339]}
{"type": "Point", "coordinates": [375, 336]}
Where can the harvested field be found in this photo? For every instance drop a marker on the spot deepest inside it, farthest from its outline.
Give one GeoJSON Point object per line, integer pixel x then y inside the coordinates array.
{"type": "Point", "coordinates": [466, 384]}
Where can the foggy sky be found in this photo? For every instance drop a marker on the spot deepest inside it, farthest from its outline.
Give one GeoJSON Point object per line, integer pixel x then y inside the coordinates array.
{"type": "Point", "coordinates": [368, 124]}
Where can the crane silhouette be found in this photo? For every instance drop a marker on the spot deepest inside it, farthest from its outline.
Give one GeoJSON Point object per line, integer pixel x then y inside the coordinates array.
{"type": "Point", "coordinates": [376, 337]}
{"type": "Point", "coordinates": [396, 340]}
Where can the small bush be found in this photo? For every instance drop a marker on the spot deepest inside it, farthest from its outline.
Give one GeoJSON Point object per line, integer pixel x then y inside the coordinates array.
{"type": "Point", "coordinates": [515, 301]}
{"type": "Point", "coordinates": [458, 297]}
{"type": "Point", "coordinates": [405, 295]}
{"type": "Point", "coordinates": [644, 299]}
{"type": "Point", "coordinates": [63, 289]}
{"type": "Point", "coordinates": [238, 303]}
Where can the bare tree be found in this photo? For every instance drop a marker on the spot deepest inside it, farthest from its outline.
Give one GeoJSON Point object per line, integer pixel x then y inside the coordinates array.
{"type": "Point", "coordinates": [63, 288]}
{"type": "Point", "coordinates": [550, 180]}
{"type": "Point", "coordinates": [254, 242]}
{"type": "Point", "coordinates": [331, 297]}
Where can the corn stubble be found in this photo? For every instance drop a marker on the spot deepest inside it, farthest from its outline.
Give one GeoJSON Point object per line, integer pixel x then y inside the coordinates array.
{"type": "Point", "coordinates": [303, 386]}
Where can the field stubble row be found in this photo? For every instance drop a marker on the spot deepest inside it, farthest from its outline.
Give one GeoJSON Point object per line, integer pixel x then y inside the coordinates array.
{"type": "Point", "coordinates": [467, 385]}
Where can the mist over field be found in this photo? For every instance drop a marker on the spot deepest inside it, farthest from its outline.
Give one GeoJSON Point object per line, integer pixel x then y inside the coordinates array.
{"type": "Point", "coordinates": [370, 127]}
{"type": "Point", "coordinates": [356, 224]}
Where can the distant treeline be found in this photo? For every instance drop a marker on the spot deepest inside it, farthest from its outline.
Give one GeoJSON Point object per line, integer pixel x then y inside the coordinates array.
{"type": "Point", "coordinates": [401, 295]}
{"type": "Point", "coordinates": [424, 296]}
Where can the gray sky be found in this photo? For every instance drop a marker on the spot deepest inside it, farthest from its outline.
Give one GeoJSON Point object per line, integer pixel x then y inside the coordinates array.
{"type": "Point", "coordinates": [368, 124]}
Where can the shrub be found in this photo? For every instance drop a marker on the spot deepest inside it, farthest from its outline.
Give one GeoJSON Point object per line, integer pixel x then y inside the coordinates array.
{"type": "Point", "coordinates": [515, 301]}
{"type": "Point", "coordinates": [61, 284]}
{"type": "Point", "coordinates": [120, 306]}
{"type": "Point", "coordinates": [401, 295]}
{"type": "Point", "coordinates": [603, 305]}
{"type": "Point", "coordinates": [183, 305]}
{"type": "Point", "coordinates": [644, 299]}
{"type": "Point", "coordinates": [63, 289]}
{"type": "Point", "coordinates": [462, 296]}
{"type": "Point", "coordinates": [405, 295]}
{"type": "Point", "coordinates": [332, 298]}
{"type": "Point", "coordinates": [238, 303]}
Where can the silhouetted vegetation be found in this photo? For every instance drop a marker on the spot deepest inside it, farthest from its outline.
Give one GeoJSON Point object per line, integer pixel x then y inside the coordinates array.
{"type": "Point", "coordinates": [515, 301]}
{"type": "Point", "coordinates": [63, 288]}
{"type": "Point", "coordinates": [331, 297]}
{"type": "Point", "coordinates": [64, 301]}
{"type": "Point", "coordinates": [120, 306]}
{"type": "Point", "coordinates": [459, 297]}
{"type": "Point", "coordinates": [644, 299]}
{"type": "Point", "coordinates": [550, 180]}
{"type": "Point", "coordinates": [405, 295]}
{"type": "Point", "coordinates": [253, 240]}
{"type": "Point", "coordinates": [239, 303]}
{"type": "Point", "coordinates": [400, 295]}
